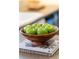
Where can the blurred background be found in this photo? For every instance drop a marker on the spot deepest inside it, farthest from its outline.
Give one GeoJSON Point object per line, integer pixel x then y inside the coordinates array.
{"type": "Point", "coordinates": [41, 11]}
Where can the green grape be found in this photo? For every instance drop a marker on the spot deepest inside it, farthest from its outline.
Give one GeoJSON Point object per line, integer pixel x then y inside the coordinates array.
{"type": "Point", "coordinates": [27, 26]}
{"type": "Point", "coordinates": [41, 31]}
{"type": "Point", "coordinates": [30, 31]}
{"type": "Point", "coordinates": [36, 25]}
{"type": "Point", "coordinates": [50, 28]}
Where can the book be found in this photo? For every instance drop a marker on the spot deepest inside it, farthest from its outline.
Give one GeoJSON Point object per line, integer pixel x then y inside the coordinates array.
{"type": "Point", "coordinates": [26, 47]}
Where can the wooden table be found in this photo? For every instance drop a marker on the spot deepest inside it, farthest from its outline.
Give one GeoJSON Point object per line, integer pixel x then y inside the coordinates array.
{"type": "Point", "coordinates": [46, 10]}
{"type": "Point", "coordinates": [49, 9]}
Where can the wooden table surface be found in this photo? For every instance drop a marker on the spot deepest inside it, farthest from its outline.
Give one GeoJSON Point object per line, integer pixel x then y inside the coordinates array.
{"type": "Point", "coordinates": [46, 10]}
{"type": "Point", "coordinates": [49, 9]}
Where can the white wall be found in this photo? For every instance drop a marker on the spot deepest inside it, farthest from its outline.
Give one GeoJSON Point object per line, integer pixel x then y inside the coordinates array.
{"type": "Point", "coordinates": [49, 2]}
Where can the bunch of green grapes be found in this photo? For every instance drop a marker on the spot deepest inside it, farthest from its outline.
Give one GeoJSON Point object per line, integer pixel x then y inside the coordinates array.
{"type": "Point", "coordinates": [39, 29]}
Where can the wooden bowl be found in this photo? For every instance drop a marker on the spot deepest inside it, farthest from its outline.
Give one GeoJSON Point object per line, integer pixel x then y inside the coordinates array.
{"type": "Point", "coordinates": [39, 39]}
